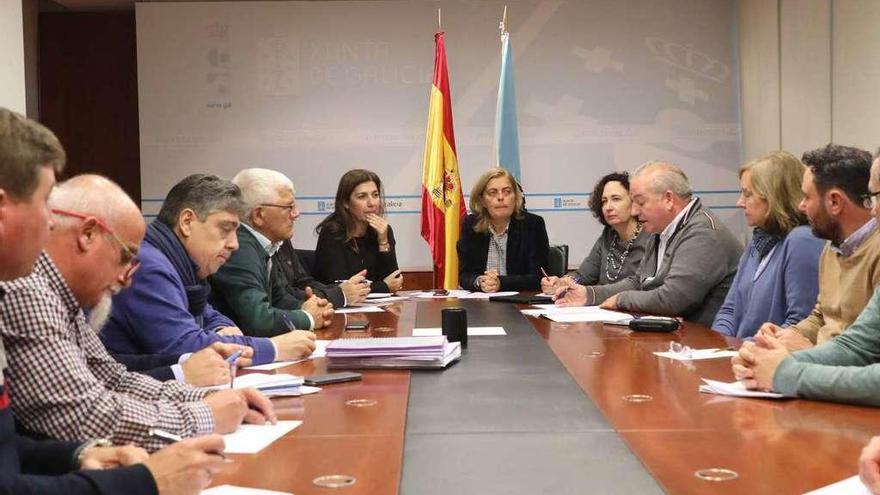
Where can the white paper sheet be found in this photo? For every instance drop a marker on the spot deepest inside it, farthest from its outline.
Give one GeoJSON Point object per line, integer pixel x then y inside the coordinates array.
{"type": "Point", "coordinates": [735, 389]}
{"type": "Point", "coordinates": [472, 331]}
{"type": "Point", "coordinates": [595, 316]}
{"type": "Point", "coordinates": [303, 390]}
{"type": "Point", "coordinates": [487, 295]}
{"type": "Point", "coordinates": [250, 439]}
{"type": "Point", "coordinates": [359, 309]}
{"type": "Point", "coordinates": [239, 490]}
{"type": "Point", "coordinates": [697, 354]}
{"type": "Point", "coordinates": [849, 486]}
{"type": "Point", "coordinates": [320, 351]}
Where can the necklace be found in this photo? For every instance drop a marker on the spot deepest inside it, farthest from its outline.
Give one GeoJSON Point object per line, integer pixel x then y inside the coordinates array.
{"type": "Point", "coordinates": [615, 257]}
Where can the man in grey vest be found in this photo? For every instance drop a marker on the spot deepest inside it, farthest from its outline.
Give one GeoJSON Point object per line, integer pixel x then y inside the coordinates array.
{"type": "Point", "coordinates": [687, 268]}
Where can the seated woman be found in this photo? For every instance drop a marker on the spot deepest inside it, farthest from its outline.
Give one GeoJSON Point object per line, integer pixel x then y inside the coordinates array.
{"type": "Point", "coordinates": [619, 250]}
{"type": "Point", "coordinates": [356, 235]}
{"type": "Point", "coordinates": [778, 275]}
{"type": "Point", "coordinates": [502, 246]}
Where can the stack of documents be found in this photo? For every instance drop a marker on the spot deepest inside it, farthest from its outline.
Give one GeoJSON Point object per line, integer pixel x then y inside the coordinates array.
{"type": "Point", "coordinates": [271, 385]}
{"type": "Point", "coordinates": [393, 352]}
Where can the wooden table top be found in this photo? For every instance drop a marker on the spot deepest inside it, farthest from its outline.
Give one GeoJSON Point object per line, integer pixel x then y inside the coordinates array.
{"type": "Point", "coordinates": [787, 446]}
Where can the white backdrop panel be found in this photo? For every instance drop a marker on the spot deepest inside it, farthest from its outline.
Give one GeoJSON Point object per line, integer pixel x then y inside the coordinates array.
{"type": "Point", "coordinates": [316, 88]}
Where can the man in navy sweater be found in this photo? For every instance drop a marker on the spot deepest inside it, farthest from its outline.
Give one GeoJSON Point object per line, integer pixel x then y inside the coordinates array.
{"type": "Point", "coordinates": [30, 155]}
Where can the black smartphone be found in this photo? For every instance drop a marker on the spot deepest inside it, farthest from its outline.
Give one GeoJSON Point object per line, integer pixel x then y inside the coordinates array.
{"type": "Point", "coordinates": [345, 376]}
{"type": "Point", "coordinates": [357, 325]}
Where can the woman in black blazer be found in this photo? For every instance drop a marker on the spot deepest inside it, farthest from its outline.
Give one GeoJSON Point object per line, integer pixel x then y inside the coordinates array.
{"type": "Point", "coordinates": [502, 246]}
{"type": "Point", "coordinates": [356, 236]}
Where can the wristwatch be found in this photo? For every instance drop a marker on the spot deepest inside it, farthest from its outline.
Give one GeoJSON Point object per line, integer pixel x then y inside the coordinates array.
{"type": "Point", "coordinates": [81, 450]}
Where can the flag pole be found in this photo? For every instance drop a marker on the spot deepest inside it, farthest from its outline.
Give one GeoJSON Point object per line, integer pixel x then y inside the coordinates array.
{"type": "Point", "coordinates": [439, 23]}
{"type": "Point", "coordinates": [503, 25]}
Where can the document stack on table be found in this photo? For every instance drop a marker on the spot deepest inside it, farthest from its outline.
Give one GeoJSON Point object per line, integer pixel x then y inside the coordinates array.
{"type": "Point", "coordinates": [393, 352]}
{"type": "Point", "coordinates": [281, 384]}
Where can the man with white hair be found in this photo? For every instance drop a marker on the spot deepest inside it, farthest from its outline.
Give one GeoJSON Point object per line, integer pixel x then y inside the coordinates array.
{"type": "Point", "coordinates": [249, 287]}
{"type": "Point", "coordinates": [686, 270]}
{"type": "Point", "coordinates": [63, 382]}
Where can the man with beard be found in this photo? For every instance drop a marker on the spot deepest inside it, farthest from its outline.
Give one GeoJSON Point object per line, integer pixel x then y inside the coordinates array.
{"type": "Point", "coordinates": [843, 369]}
{"type": "Point", "coordinates": [835, 186]}
{"type": "Point", "coordinates": [62, 381]}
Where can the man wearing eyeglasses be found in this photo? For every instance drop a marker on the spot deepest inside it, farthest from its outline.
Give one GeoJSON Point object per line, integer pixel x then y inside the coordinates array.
{"type": "Point", "coordinates": [251, 288]}
{"type": "Point", "coordinates": [64, 383]}
{"type": "Point", "coordinates": [29, 157]}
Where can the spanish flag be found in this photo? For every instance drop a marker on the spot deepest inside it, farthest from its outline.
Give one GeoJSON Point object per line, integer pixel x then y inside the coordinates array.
{"type": "Point", "coordinates": [442, 200]}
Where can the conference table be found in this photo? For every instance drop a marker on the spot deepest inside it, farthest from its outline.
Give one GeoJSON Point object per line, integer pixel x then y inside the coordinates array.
{"type": "Point", "coordinates": [548, 408]}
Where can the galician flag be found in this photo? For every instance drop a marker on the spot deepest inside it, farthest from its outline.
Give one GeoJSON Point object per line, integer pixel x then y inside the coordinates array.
{"type": "Point", "coordinates": [442, 201]}
{"type": "Point", "coordinates": [506, 142]}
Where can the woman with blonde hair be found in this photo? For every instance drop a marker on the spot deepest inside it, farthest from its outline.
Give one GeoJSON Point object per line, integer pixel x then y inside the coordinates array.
{"type": "Point", "coordinates": [778, 276]}
{"type": "Point", "coordinates": [502, 246]}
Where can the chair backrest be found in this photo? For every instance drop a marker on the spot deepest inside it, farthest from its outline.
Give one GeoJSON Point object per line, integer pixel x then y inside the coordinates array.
{"type": "Point", "coordinates": [307, 258]}
{"type": "Point", "coordinates": [558, 260]}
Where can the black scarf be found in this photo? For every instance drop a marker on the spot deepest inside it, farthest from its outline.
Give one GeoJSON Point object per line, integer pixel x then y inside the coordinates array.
{"type": "Point", "coordinates": [764, 241]}
{"type": "Point", "coordinates": [165, 240]}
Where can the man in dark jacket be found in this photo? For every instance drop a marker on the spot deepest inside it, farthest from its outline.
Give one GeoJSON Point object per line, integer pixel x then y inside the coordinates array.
{"type": "Point", "coordinates": [251, 287]}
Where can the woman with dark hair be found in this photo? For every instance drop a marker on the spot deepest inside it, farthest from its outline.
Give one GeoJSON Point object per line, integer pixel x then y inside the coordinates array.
{"type": "Point", "coordinates": [619, 250]}
{"type": "Point", "coordinates": [356, 236]}
{"type": "Point", "coordinates": [502, 246]}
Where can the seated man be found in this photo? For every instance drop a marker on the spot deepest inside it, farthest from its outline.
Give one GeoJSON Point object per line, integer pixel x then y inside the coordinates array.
{"type": "Point", "coordinates": [62, 382]}
{"type": "Point", "coordinates": [166, 310]}
{"type": "Point", "coordinates": [298, 278]}
{"type": "Point", "coordinates": [835, 185]}
{"type": "Point", "coordinates": [845, 368]}
{"type": "Point", "coordinates": [249, 287]}
{"type": "Point", "coordinates": [689, 266]}
{"type": "Point", "coordinates": [29, 156]}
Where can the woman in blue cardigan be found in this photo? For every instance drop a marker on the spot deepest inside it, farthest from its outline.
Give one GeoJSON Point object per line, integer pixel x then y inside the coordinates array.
{"type": "Point", "coordinates": [778, 275]}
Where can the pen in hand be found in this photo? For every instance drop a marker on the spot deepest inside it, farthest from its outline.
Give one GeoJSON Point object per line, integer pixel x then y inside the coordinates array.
{"type": "Point", "coordinates": [544, 272]}
{"type": "Point", "coordinates": [172, 438]}
{"type": "Point", "coordinates": [233, 368]}
{"type": "Point", "coordinates": [287, 323]}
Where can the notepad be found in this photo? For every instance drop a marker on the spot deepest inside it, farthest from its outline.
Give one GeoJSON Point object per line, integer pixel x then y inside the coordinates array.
{"type": "Point", "coordinates": [849, 486]}
{"type": "Point", "coordinates": [735, 389]}
{"type": "Point", "coordinates": [250, 439]}
{"type": "Point", "coordinates": [472, 331]}
{"type": "Point", "coordinates": [239, 490]}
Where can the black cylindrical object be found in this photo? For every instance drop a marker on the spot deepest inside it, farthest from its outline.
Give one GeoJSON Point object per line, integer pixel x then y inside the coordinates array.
{"type": "Point", "coordinates": [454, 325]}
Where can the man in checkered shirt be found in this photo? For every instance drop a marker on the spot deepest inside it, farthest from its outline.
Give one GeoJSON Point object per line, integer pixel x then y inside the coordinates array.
{"type": "Point", "coordinates": [62, 381]}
